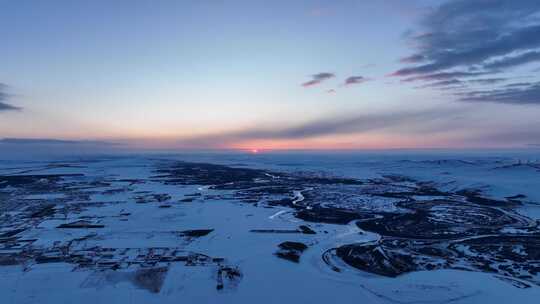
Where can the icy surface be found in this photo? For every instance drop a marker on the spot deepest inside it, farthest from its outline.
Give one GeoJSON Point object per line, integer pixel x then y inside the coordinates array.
{"type": "Point", "coordinates": [271, 228]}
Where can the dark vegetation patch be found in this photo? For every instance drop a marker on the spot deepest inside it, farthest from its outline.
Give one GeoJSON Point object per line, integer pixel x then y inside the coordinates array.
{"type": "Point", "coordinates": [207, 174]}
{"type": "Point", "coordinates": [152, 198]}
{"type": "Point", "coordinates": [81, 224]}
{"type": "Point", "coordinates": [289, 245]}
{"type": "Point", "coordinates": [289, 255]}
{"type": "Point", "coordinates": [306, 230]}
{"type": "Point", "coordinates": [512, 256]}
{"type": "Point", "coordinates": [228, 275]}
{"type": "Point", "coordinates": [11, 233]}
{"type": "Point", "coordinates": [328, 215]}
{"type": "Point", "coordinates": [42, 211]}
{"type": "Point", "coordinates": [187, 199]}
{"type": "Point", "coordinates": [150, 279]}
{"type": "Point", "coordinates": [275, 231]}
{"type": "Point", "coordinates": [375, 259]}
{"type": "Point", "coordinates": [301, 229]}
{"type": "Point", "coordinates": [516, 197]}
{"type": "Point", "coordinates": [196, 232]}
{"type": "Point", "coordinates": [291, 251]}
{"type": "Point", "coordinates": [475, 196]}
{"type": "Point", "coordinates": [38, 181]}
{"type": "Point", "coordinates": [440, 219]}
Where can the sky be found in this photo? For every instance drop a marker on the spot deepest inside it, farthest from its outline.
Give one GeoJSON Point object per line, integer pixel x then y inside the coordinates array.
{"type": "Point", "coordinates": [270, 74]}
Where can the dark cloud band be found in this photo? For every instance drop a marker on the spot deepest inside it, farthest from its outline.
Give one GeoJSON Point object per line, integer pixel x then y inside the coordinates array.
{"type": "Point", "coordinates": [327, 126]}
{"type": "Point", "coordinates": [4, 97]}
{"type": "Point", "coordinates": [473, 38]}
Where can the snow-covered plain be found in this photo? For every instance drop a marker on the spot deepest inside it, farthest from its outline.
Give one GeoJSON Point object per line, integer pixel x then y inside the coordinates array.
{"type": "Point", "coordinates": [151, 229]}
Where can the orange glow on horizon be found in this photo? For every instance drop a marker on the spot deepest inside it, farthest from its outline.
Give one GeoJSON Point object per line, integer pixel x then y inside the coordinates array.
{"type": "Point", "coordinates": [364, 141]}
{"type": "Point", "coordinates": [258, 146]}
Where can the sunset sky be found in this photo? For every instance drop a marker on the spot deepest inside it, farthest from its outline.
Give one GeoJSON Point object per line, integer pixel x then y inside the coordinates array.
{"type": "Point", "coordinates": [271, 74]}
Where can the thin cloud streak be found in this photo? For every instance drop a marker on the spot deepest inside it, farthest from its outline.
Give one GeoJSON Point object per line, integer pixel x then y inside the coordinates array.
{"type": "Point", "coordinates": [53, 141]}
{"type": "Point", "coordinates": [328, 126]}
{"type": "Point", "coordinates": [512, 61]}
{"type": "Point", "coordinates": [528, 95]}
{"type": "Point", "coordinates": [355, 80]}
{"type": "Point", "coordinates": [318, 78]}
{"type": "Point", "coordinates": [443, 76]}
{"type": "Point", "coordinates": [8, 107]}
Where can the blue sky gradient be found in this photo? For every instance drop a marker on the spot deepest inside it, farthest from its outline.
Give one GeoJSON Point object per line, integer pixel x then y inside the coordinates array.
{"type": "Point", "coordinates": [199, 74]}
